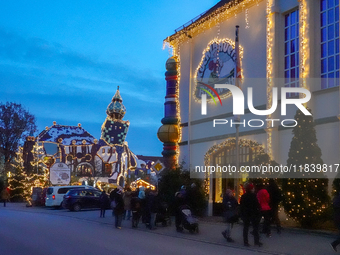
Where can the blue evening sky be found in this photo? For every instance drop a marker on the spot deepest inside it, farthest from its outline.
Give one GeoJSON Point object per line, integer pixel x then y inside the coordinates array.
{"type": "Point", "coordinates": [63, 60]}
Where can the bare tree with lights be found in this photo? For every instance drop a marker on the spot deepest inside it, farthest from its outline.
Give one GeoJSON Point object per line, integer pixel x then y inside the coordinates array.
{"type": "Point", "coordinates": [16, 123]}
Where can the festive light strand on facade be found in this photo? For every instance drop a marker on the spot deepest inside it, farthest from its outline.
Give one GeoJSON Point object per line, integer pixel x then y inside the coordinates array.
{"type": "Point", "coordinates": [221, 14]}
{"type": "Point", "coordinates": [231, 143]}
{"type": "Point", "coordinates": [269, 75]}
{"type": "Point", "coordinates": [177, 55]}
{"type": "Point", "coordinates": [247, 18]}
{"type": "Point", "coordinates": [218, 42]}
{"type": "Point", "coordinates": [304, 43]}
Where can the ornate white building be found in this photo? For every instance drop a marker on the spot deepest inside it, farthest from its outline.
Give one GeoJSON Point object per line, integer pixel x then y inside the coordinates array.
{"type": "Point", "coordinates": [282, 43]}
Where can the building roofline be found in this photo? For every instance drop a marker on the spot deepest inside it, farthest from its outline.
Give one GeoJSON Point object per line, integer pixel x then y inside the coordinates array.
{"type": "Point", "coordinates": [186, 30]}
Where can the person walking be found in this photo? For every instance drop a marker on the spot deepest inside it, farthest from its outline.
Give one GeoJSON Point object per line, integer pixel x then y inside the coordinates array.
{"type": "Point", "coordinates": [264, 199]}
{"type": "Point", "coordinates": [336, 208]}
{"type": "Point", "coordinates": [119, 209]}
{"type": "Point", "coordinates": [275, 195]}
{"type": "Point", "coordinates": [127, 203]}
{"type": "Point", "coordinates": [113, 195]}
{"type": "Point", "coordinates": [136, 206]}
{"type": "Point", "coordinates": [104, 203]}
{"type": "Point", "coordinates": [142, 195]}
{"type": "Point", "coordinates": [5, 196]}
{"type": "Point", "coordinates": [250, 213]}
{"type": "Point", "coordinates": [152, 207]}
{"type": "Point", "coordinates": [178, 203]}
{"type": "Point", "coordinates": [230, 213]}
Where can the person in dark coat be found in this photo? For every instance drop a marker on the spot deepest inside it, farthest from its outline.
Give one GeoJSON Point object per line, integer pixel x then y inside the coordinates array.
{"type": "Point", "coordinates": [336, 207]}
{"type": "Point", "coordinates": [250, 213]}
{"type": "Point", "coordinates": [119, 209]}
{"type": "Point", "coordinates": [127, 203]}
{"type": "Point", "coordinates": [152, 208]}
{"type": "Point", "coordinates": [113, 194]}
{"type": "Point", "coordinates": [179, 202]}
{"type": "Point", "coordinates": [104, 203]}
{"type": "Point", "coordinates": [230, 213]}
{"type": "Point", "coordinates": [136, 207]}
{"type": "Point", "coordinates": [275, 199]}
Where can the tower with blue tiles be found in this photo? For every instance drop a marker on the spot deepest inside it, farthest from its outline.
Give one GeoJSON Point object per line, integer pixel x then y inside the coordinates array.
{"type": "Point", "coordinates": [114, 128]}
{"type": "Point", "coordinates": [114, 149]}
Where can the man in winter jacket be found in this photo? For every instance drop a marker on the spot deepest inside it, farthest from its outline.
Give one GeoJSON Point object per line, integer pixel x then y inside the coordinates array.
{"type": "Point", "coordinates": [250, 213]}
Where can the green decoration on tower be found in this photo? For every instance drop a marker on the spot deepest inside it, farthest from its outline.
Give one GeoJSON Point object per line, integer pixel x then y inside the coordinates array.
{"type": "Point", "coordinates": [306, 197]}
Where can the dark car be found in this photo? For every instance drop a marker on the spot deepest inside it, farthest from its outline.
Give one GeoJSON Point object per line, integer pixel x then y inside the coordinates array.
{"type": "Point", "coordinates": [77, 199]}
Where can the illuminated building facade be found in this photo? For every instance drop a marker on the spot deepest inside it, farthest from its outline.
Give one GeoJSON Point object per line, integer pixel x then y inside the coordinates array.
{"type": "Point", "coordinates": [282, 43]}
{"type": "Point", "coordinates": [108, 159]}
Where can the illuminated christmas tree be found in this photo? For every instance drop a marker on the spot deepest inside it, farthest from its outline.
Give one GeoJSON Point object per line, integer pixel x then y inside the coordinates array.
{"type": "Point", "coordinates": [336, 185]}
{"type": "Point", "coordinates": [21, 183]}
{"type": "Point", "coordinates": [17, 184]}
{"type": "Point", "coordinates": [306, 196]}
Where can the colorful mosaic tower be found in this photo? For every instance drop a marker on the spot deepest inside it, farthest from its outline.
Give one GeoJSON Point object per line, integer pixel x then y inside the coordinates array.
{"type": "Point", "coordinates": [168, 133]}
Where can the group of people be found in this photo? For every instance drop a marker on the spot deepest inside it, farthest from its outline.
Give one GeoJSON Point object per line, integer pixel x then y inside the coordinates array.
{"type": "Point", "coordinates": [131, 205]}
{"type": "Point", "coordinates": [253, 206]}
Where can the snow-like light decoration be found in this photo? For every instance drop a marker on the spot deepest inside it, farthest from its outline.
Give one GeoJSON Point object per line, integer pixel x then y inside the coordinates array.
{"type": "Point", "coordinates": [270, 27]}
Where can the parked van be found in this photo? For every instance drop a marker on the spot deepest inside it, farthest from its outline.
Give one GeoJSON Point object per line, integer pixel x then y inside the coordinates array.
{"type": "Point", "coordinates": [55, 194]}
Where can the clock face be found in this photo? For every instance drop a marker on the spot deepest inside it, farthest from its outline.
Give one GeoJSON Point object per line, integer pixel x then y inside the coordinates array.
{"type": "Point", "coordinates": [217, 66]}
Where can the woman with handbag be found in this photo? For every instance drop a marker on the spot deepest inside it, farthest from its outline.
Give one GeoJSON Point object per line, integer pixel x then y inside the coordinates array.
{"type": "Point", "coordinates": [230, 213]}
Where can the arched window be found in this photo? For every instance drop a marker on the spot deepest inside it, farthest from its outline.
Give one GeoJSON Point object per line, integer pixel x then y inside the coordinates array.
{"type": "Point", "coordinates": [224, 155]}
{"type": "Point", "coordinates": [84, 169]}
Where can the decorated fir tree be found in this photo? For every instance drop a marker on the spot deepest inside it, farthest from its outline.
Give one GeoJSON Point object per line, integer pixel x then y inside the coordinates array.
{"type": "Point", "coordinates": [21, 183]}
{"type": "Point", "coordinates": [336, 185]}
{"type": "Point", "coordinates": [306, 197]}
{"type": "Point", "coordinates": [259, 179]}
{"type": "Point", "coordinates": [17, 184]}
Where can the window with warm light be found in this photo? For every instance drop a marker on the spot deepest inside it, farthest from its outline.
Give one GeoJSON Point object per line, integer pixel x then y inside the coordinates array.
{"type": "Point", "coordinates": [329, 23]}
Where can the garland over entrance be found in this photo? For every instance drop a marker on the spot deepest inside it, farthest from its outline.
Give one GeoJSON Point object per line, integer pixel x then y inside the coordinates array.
{"type": "Point", "coordinates": [230, 142]}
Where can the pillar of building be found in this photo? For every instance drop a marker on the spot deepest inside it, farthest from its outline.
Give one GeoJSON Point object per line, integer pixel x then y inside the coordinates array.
{"type": "Point", "coordinates": [168, 133]}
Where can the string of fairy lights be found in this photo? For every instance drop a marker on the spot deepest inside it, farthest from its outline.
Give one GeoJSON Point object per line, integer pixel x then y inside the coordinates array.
{"type": "Point", "coordinates": [270, 26]}
{"type": "Point", "coordinates": [213, 20]}
{"type": "Point", "coordinates": [231, 142]}
{"type": "Point", "coordinates": [304, 43]}
{"type": "Point", "coordinates": [24, 182]}
{"type": "Point", "coordinates": [218, 42]}
{"type": "Point", "coordinates": [221, 14]}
